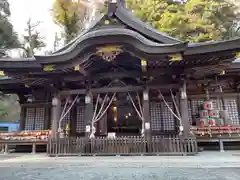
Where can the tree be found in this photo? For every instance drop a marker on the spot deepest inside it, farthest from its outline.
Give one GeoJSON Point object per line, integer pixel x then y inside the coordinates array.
{"type": "Point", "coordinates": [32, 40]}
{"type": "Point", "coordinates": [74, 15]}
{"type": "Point", "coordinates": [69, 16]}
{"type": "Point", "coordinates": [191, 20]}
{"type": "Point", "coordinates": [8, 38]}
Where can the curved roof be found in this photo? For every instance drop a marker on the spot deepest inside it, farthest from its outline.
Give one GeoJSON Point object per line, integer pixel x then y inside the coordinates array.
{"type": "Point", "coordinates": [118, 36]}
{"type": "Point", "coordinates": [212, 46]}
{"type": "Point", "coordinates": [130, 33]}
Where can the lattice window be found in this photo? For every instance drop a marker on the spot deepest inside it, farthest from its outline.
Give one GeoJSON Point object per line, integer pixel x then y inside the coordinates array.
{"type": "Point", "coordinates": [155, 113]}
{"type": "Point", "coordinates": [103, 125]}
{"type": "Point", "coordinates": [196, 106]}
{"type": "Point", "coordinates": [80, 124]}
{"type": "Point", "coordinates": [29, 121]}
{"type": "Point", "coordinates": [231, 107]}
{"type": "Point", "coordinates": [35, 119]}
{"type": "Point", "coordinates": [217, 104]}
{"type": "Point", "coordinates": [39, 118]}
{"type": "Point", "coordinates": [168, 118]}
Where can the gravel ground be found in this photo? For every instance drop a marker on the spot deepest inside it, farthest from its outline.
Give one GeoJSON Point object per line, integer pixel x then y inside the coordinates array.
{"type": "Point", "coordinates": [205, 166]}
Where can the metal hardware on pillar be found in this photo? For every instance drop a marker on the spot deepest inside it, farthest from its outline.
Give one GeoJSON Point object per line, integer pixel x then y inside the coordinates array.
{"type": "Point", "coordinates": [145, 96]}
{"type": "Point", "coordinates": [207, 94]}
{"type": "Point", "coordinates": [184, 110]}
{"type": "Point", "coordinates": [87, 99]}
{"type": "Point", "coordinates": [56, 109]}
{"type": "Point", "coordinates": [146, 115]}
{"type": "Point", "coordinates": [88, 113]}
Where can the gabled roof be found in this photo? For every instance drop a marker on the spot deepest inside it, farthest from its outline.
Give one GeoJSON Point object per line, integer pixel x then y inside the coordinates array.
{"type": "Point", "coordinates": [129, 32]}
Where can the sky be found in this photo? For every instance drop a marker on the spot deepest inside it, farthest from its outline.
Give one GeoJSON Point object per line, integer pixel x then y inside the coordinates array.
{"type": "Point", "coordinates": [38, 10]}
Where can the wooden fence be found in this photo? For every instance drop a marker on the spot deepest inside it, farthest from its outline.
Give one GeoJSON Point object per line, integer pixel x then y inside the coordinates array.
{"type": "Point", "coordinates": [122, 146]}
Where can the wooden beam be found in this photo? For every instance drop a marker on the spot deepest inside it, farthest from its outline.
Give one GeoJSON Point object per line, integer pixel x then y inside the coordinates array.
{"type": "Point", "coordinates": [212, 95]}
{"type": "Point", "coordinates": [109, 75]}
{"type": "Point", "coordinates": [36, 105]}
{"type": "Point", "coordinates": [103, 90]}
{"type": "Point", "coordinates": [164, 86]}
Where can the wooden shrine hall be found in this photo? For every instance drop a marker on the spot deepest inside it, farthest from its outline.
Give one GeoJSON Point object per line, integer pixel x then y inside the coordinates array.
{"type": "Point", "coordinates": [122, 77]}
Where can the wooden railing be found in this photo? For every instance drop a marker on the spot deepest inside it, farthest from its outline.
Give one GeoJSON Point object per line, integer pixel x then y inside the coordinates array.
{"type": "Point", "coordinates": [134, 145]}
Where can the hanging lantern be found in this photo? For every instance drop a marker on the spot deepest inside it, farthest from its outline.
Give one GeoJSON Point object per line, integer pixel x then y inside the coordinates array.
{"type": "Point", "coordinates": [115, 118]}
{"type": "Point", "coordinates": [114, 108]}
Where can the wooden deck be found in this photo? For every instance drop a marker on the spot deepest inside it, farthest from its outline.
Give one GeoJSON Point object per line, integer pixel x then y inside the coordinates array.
{"type": "Point", "coordinates": [4, 144]}
{"type": "Point", "coordinates": [220, 140]}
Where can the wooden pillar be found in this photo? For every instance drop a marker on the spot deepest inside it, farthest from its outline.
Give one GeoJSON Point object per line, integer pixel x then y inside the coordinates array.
{"type": "Point", "coordinates": [88, 112]}
{"type": "Point", "coordinates": [56, 110]}
{"type": "Point", "coordinates": [146, 114]}
{"type": "Point", "coordinates": [184, 110]}
{"type": "Point", "coordinates": [73, 121]}
{"type": "Point", "coordinates": [22, 100]}
{"type": "Point", "coordinates": [22, 118]}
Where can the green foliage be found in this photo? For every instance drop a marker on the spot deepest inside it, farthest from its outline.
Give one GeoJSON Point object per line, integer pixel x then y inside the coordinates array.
{"type": "Point", "coordinates": [8, 38]}
{"type": "Point", "coordinates": [9, 108]}
{"type": "Point", "coordinates": [193, 20]}
{"type": "Point", "coordinates": [32, 40]}
{"type": "Point", "coordinates": [70, 16]}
